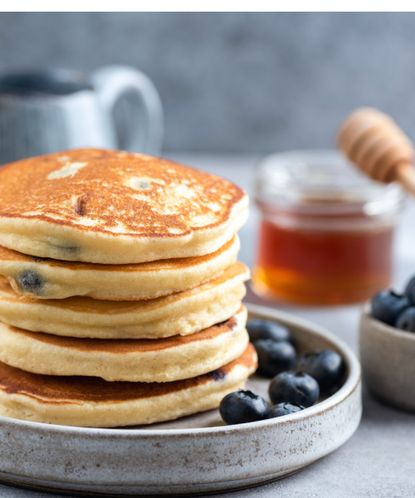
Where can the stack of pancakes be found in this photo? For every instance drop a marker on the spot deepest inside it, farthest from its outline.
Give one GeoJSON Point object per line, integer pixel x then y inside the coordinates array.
{"type": "Point", "coordinates": [120, 298]}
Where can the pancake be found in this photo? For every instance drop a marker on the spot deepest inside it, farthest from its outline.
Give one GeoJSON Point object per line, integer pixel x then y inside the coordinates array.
{"type": "Point", "coordinates": [93, 402]}
{"type": "Point", "coordinates": [143, 360]}
{"type": "Point", "coordinates": [114, 207]}
{"type": "Point", "coordinates": [178, 314]}
{"type": "Point", "coordinates": [52, 279]}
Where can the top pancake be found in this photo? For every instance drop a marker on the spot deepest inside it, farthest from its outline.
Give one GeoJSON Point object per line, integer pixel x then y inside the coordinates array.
{"type": "Point", "coordinates": [115, 207]}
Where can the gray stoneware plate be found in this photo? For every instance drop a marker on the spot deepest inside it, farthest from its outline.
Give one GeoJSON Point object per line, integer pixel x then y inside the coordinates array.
{"type": "Point", "coordinates": [193, 455]}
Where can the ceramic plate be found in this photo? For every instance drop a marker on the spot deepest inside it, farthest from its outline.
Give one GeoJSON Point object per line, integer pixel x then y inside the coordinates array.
{"type": "Point", "coordinates": [193, 455]}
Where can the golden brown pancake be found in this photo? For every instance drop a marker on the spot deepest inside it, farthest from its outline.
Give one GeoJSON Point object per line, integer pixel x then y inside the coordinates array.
{"type": "Point", "coordinates": [115, 207]}
{"type": "Point", "coordinates": [178, 314]}
{"type": "Point", "coordinates": [145, 360]}
{"type": "Point", "coordinates": [53, 279]}
{"type": "Point", "coordinates": [93, 402]}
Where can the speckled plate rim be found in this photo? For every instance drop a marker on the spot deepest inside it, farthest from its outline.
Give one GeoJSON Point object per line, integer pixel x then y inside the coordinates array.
{"type": "Point", "coordinates": [352, 382]}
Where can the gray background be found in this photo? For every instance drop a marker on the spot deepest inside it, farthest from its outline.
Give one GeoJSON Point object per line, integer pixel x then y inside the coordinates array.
{"type": "Point", "coordinates": [237, 82]}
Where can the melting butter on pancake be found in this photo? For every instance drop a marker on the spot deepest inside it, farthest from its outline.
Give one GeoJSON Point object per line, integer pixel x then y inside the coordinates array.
{"type": "Point", "coordinates": [145, 360]}
{"type": "Point", "coordinates": [52, 279]}
{"type": "Point", "coordinates": [114, 207]}
{"type": "Point", "coordinates": [93, 402]}
{"type": "Point", "coordinates": [178, 314]}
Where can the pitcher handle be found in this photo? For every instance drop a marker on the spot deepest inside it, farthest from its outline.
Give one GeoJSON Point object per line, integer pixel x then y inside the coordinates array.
{"type": "Point", "coordinates": [145, 132]}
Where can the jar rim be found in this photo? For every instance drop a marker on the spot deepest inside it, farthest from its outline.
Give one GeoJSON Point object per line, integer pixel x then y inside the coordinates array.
{"type": "Point", "coordinates": [322, 181]}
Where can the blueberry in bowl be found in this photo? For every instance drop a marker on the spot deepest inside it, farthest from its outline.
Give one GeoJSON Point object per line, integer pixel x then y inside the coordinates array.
{"type": "Point", "coordinates": [387, 346]}
{"type": "Point", "coordinates": [406, 320]}
{"type": "Point", "coordinates": [388, 305]}
{"type": "Point", "coordinates": [394, 309]}
{"type": "Point", "coordinates": [410, 290]}
{"type": "Point", "coordinates": [387, 356]}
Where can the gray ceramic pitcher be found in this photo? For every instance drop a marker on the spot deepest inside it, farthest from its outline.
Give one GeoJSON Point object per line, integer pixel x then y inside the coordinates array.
{"type": "Point", "coordinates": [53, 110]}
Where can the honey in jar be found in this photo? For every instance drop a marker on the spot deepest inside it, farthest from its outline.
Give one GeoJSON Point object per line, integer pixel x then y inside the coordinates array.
{"type": "Point", "coordinates": [326, 231]}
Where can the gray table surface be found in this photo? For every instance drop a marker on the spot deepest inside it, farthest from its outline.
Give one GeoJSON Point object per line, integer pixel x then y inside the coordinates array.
{"type": "Point", "coordinates": [379, 460]}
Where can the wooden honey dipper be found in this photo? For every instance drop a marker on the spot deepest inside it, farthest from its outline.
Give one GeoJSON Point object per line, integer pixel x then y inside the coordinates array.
{"type": "Point", "coordinates": [376, 145]}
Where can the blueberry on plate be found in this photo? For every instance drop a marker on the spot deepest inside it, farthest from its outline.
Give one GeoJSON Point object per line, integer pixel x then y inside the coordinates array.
{"type": "Point", "coordinates": [274, 357]}
{"type": "Point", "coordinates": [406, 321]}
{"type": "Point", "coordinates": [327, 368]}
{"type": "Point", "coordinates": [283, 409]}
{"type": "Point", "coordinates": [297, 388]}
{"type": "Point", "coordinates": [265, 329]}
{"type": "Point", "coordinates": [243, 406]}
{"type": "Point", "coordinates": [388, 305]}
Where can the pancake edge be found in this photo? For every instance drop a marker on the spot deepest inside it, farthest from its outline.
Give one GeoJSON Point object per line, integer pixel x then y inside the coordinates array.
{"type": "Point", "coordinates": [143, 411]}
{"type": "Point", "coordinates": [182, 314]}
{"type": "Point", "coordinates": [190, 359]}
{"type": "Point", "coordinates": [33, 237]}
{"type": "Point", "coordinates": [117, 284]}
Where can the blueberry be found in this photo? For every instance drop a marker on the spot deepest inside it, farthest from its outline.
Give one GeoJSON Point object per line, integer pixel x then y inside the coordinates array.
{"type": "Point", "coordinates": [274, 357]}
{"type": "Point", "coordinates": [410, 290]}
{"type": "Point", "coordinates": [388, 305]}
{"type": "Point", "coordinates": [406, 321]}
{"type": "Point", "coordinates": [283, 409]}
{"type": "Point", "coordinates": [327, 368]}
{"type": "Point", "coordinates": [265, 329]}
{"type": "Point", "coordinates": [243, 406]}
{"type": "Point", "coordinates": [66, 248]}
{"type": "Point", "coordinates": [218, 374]}
{"type": "Point", "coordinates": [294, 387]}
{"type": "Point", "coordinates": [30, 281]}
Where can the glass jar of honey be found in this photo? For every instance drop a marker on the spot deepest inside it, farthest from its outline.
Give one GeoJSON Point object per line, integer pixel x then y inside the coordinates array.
{"type": "Point", "coordinates": [326, 233]}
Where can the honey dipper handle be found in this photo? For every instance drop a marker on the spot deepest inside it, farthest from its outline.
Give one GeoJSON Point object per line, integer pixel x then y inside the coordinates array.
{"type": "Point", "coordinates": [405, 175]}
{"type": "Point", "coordinates": [378, 147]}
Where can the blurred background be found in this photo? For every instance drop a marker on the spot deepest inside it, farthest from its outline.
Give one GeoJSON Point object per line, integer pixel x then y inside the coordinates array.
{"type": "Point", "coordinates": [234, 86]}
{"type": "Point", "coordinates": [236, 82]}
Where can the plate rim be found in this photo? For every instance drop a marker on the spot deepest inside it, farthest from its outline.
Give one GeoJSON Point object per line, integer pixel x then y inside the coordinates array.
{"type": "Point", "coordinates": [352, 383]}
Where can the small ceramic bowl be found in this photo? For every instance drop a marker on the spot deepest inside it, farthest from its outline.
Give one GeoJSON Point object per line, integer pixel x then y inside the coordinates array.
{"type": "Point", "coordinates": [387, 357]}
